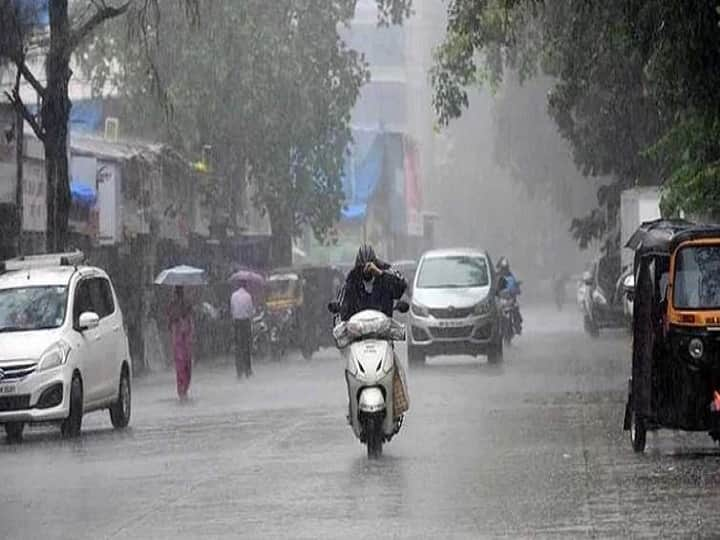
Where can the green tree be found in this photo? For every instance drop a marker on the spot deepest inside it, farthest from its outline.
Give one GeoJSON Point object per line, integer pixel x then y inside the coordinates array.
{"type": "Point", "coordinates": [599, 100]}
{"type": "Point", "coordinates": [269, 85]}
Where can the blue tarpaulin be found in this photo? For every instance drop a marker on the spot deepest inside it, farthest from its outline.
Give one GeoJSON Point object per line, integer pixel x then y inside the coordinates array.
{"type": "Point", "coordinates": [86, 115]}
{"type": "Point", "coordinates": [35, 12]}
{"type": "Point", "coordinates": [362, 173]}
{"type": "Point", "coordinates": [82, 194]}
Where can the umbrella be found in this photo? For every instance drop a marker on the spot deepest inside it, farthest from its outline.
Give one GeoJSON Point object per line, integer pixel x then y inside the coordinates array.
{"type": "Point", "coordinates": [181, 276]}
{"type": "Point", "coordinates": [248, 277]}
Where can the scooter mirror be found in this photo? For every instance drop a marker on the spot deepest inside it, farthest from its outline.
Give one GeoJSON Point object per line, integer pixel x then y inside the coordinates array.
{"type": "Point", "coordinates": [402, 306]}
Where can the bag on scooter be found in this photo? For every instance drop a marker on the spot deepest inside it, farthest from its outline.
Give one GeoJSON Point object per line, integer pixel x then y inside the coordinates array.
{"type": "Point", "coordinates": [400, 399]}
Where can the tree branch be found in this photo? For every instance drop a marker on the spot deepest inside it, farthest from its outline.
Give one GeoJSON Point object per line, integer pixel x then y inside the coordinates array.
{"type": "Point", "coordinates": [101, 15]}
{"type": "Point", "coordinates": [29, 77]}
{"type": "Point", "coordinates": [17, 102]}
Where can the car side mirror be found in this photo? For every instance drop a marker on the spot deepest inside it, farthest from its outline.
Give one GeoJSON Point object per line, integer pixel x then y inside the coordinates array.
{"type": "Point", "coordinates": [88, 320]}
{"type": "Point", "coordinates": [402, 306]}
{"type": "Point", "coordinates": [334, 308]}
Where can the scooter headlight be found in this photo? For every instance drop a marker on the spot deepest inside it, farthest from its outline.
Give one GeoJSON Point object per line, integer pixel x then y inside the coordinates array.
{"type": "Point", "coordinates": [696, 348]}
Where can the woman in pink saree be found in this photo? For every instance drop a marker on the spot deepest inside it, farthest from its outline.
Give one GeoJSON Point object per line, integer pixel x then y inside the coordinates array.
{"type": "Point", "coordinates": [181, 330]}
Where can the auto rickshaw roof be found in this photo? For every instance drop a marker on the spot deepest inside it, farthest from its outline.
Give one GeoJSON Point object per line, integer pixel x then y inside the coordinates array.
{"type": "Point", "coordinates": [665, 235]}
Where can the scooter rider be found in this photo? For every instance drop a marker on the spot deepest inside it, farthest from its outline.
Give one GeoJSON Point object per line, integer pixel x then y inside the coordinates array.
{"type": "Point", "coordinates": [508, 282]}
{"type": "Point", "coordinates": [371, 284]}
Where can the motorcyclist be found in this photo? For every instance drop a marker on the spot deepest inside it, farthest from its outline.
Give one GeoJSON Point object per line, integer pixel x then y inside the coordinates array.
{"type": "Point", "coordinates": [508, 282]}
{"type": "Point", "coordinates": [371, 284]}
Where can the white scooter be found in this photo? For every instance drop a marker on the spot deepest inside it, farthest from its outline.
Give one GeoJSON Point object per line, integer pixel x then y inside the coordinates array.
{"type": "Point", "coordinates": [367, 342]}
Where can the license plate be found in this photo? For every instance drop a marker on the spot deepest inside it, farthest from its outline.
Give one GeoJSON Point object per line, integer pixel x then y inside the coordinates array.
{"type": "Point", "coordinates": [6, 389]}
{"type": "Point", "coordinates": [451, 324]}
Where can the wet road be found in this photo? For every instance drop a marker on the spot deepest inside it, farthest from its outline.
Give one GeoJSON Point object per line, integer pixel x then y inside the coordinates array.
{"type": "Point", "coordinates": [532, 448]}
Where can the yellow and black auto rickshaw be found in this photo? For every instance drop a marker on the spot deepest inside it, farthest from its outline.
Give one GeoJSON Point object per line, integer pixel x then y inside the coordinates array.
{"type": "Point", "coordinates": [283, 299]}
{"type": "Point", "coordinates": [675, 381]}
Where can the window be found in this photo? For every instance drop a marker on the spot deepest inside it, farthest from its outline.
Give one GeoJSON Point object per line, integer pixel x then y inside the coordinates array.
{"type": "Point", "coordinates": [453, 273]}
{"type": "Point", "coordinates": [106, 298]}
{"type": "Point", "coordinates": [32, 308]}
{"type": "Point", "coordinates": [697, 278]}
{"type": "Point", "coordinates": [82, 302]}
{"type": "Point", "coordinates": [93, 295]}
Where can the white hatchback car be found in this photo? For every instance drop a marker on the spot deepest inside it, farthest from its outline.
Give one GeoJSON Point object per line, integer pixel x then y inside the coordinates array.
{"type": "Point", "coordinates": [63, 346]}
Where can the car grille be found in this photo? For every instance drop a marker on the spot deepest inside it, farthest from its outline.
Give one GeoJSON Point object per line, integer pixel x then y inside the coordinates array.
{"type": "Point", "coordinates": [451, 313]}
{"type": "Point", "coordinates": [452, 333]}
{"type": "Point", "coordinates": [15, 403]}
{"type": "Point", "coordinates": [17, 371]}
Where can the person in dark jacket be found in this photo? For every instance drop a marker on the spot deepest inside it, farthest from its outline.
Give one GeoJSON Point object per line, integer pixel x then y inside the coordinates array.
{"type": "Point", "coordinates": [371, 284]}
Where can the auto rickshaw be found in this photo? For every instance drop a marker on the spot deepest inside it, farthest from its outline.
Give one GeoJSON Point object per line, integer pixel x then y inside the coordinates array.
{"type": "Point", "coordinates": [675, 382]}
{"type": "Point", "coordinates": [320, 285]}
{"type": "Point", "coordinates": [283, 299]}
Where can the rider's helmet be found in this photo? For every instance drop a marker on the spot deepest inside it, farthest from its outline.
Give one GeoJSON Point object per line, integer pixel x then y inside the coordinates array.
{"type": "Point", "coordinates": [366, 254]}
{"type": "Point", "coordinates": [503, 265]}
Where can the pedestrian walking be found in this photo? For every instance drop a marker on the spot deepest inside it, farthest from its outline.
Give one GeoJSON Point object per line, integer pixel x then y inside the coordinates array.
{"type": "Point", "coordinates": [242, 311]}
{"type": "Point", "coordinates": [180, 322]}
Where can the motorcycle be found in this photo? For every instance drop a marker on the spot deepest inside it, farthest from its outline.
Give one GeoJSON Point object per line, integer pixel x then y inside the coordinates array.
{"type": "Point", "coordinates": [279, 333]}
{"type": "Point", "coordinates": [510, 326]}
{"type": "Point", "coordinates": [259, 335]}
{"type": "Point", "coordinates": [367, 342]}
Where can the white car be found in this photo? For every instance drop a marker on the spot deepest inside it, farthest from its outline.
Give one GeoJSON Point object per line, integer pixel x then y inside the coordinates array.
{"type": "Point", "coordinates": [63, 346]}
{"type": "Point", "coordinates": [453, 309]}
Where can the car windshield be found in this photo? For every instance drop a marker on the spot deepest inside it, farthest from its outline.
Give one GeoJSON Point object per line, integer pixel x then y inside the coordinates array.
{"type": "Point", "coordinates": [32, 308]}
{"type": "Point", "coordinates": [697, 278]}
{"type": "Point", "coordinates": [459, 272]}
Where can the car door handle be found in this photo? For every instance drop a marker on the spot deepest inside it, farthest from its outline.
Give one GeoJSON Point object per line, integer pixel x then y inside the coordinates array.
{"type": "Point", "coordinates": [116, 328]}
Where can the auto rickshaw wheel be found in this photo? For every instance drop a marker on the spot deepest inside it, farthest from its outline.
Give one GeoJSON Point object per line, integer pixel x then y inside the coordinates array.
{"type": "Point", "coordinates": [638, 432]}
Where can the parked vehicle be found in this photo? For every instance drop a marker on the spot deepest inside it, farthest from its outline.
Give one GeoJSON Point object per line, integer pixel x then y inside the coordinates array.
{"type": "Point", "coordinates": [453, 308]}
{"type": "Point", "coordinates": [314, 327]}
{"type": "Point", "coordinates": [603, 296]}
{"type": "Point", "coordinates": [675, 382]}
{"type": "Point", "coordinates": [63, 346]}
{"type": "Point", "coordinates": [284, 297]}
{"type": "Point", "coordinates": [367, 342]}
{"type": "Point", "coordinates": [260, 335]}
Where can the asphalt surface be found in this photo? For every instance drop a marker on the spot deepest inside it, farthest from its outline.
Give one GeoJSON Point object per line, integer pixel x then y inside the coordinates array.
{"type": "Point", "coordinates": [531, 448]}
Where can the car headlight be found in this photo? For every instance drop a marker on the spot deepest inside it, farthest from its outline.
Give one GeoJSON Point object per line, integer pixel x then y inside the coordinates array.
{"type": "Point", "coordinates": [55, 356]}
{"type": "Point", "coordinates": [483, 308]}
{"type": "Point", "coordinates": [696, 348]}
{"type": "Point", "coordinates": [420, 310]}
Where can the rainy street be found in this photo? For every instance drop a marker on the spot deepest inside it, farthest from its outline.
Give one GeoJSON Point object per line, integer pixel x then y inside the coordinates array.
{"type": "Point", "coordinates": [531, 448]}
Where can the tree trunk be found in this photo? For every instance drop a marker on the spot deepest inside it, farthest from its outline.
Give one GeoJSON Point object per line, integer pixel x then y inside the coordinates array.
{"type": "Point", "coordinates": [55, 115]}
{"type": "Point", "coordinates": [281, 241]}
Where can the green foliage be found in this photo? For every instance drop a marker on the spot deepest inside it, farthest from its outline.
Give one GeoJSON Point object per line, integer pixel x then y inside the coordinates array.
{"type": "Point", "coordinates": [270, 85]}
{"type": "Point", "coordinates": [635, 93]}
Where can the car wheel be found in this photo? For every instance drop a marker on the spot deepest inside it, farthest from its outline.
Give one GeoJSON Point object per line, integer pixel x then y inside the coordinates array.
{"type": "Point", "coordinates": [415, 356]}
{"type": "Point", "coordinates": [14, 431]}
{"type": "Point", "coordinates": [72, 425]}
{"type": "Point", "coordinates": [638, 432]}
{"type": "Point", "coordinates": [120, 410]}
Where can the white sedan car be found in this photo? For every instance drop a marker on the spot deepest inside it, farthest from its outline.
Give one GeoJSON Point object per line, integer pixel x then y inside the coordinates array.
{"type": "Point", "coordinates": [63, 347]}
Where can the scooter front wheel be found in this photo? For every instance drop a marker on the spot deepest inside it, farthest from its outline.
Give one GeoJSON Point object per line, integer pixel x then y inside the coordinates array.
{"type": "Point", "coordinates": [374, 437]}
